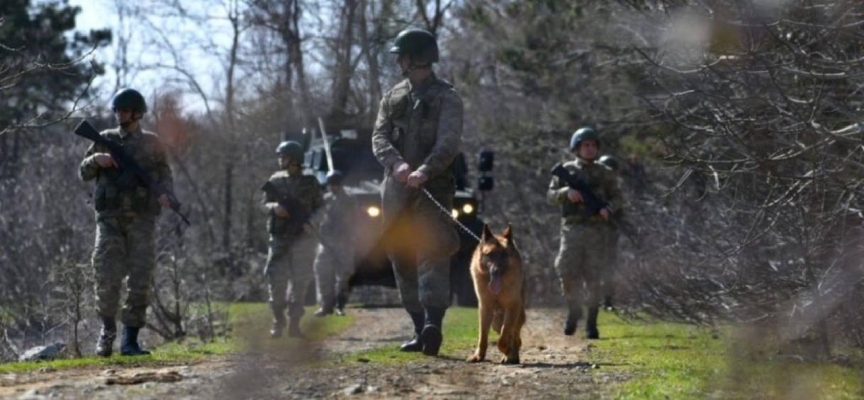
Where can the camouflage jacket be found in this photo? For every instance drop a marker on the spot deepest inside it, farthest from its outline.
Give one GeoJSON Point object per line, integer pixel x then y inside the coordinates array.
{"type": "Point", "coordinates": [304, 188]}
{"type": "Point", "coordinates": [110, 197]}
{"type": "Point", "coordinates": [337, 218]}
{"type": "Point", "coordinates": [602, 181]}
{"type": "Point", "coordinates": [420, 125]}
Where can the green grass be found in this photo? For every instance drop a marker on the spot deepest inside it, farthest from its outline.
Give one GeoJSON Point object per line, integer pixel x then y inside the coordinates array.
{"type": "Point", "coordinates": [676, 361]}
{"type": "Point", "coordinates": [250, 323]}
{"type": "Point", "coordinates": [460, 336]}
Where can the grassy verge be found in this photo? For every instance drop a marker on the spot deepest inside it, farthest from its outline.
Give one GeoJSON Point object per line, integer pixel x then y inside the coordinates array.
{"type": "Point", "coordinates": [675, 361]}
{"type": "Point", "coordinates": [250, 322]}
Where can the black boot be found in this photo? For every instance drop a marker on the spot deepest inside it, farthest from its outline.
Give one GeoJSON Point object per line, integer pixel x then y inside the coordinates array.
{"type": "Point", "coordinates": [105, 345]}
{"type": "Point", "coordinates": [432, 336]}
{"type": "Point", "coordinates": [294, 328]}
{"type": "Point", "coordinates": [295, 312]}
{"type": "Point", "coordinates": [591, 331]}
{"type": "Point", "coordinates": [607, 303]}
{"type": "Point", "coordinates": [573, 316]}
{"type": "Point", "coordinates": [341, 302]}
{"type": "Point", "coordinates": [129, 343]}
{"type": "Point", "coordinates": [279, 322]}
{"type": "Point", "coordinates": [415, 344]}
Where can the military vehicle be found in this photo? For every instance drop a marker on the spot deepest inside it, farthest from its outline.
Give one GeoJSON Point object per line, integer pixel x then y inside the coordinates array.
{"type": "Point", "coordinates": [352, 154]}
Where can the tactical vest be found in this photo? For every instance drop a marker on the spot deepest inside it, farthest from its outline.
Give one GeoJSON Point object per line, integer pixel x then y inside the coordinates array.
{"type": "Point", "coordinates": [286, 186]}
{"type": "Point", "coordinates": [415, 122]}
{"type": "Point", "coordinates": [114, 195]}
{"type": "Point", "coordinates": [579, 211]}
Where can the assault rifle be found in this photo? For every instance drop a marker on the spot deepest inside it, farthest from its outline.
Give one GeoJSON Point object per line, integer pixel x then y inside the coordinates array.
{"type": "Point", "coordinates": [594, 204]}
{"type": "Point", "coordinates": [130, 172]}
{"type": "Point", "coordinates": [297, 211]}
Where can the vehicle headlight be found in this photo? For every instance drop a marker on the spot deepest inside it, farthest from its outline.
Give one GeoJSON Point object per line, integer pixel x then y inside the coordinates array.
{"type": "Point", "coordinates": [455, 213]}
{"type": "Point", "coordinates": [373, 211]}
{"type": "Point", "coordinates": [467, 208]}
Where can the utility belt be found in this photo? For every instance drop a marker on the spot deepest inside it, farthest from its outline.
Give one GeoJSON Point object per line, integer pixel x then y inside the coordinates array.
{"type": "Point", "coordinates": [111, 200]}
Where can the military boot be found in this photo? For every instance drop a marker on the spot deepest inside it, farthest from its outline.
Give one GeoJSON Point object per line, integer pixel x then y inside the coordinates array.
{"type": "Point", "coordinates": [341, 302]}
{"type": "Point", "coordinates": [295, 312]}
{"type": "Point", "coordinates": [432, 335]}
{"type": "Point", "coordinates": [278, 326]}
{"type": "Point", "coordinates": [591, 331]}
{"type": "Point", "coordinates": [105, 345]}
{"type": "Point", "coordinates": [415, 344]}
{"type": "Point", "coordinates": [573, 316]}
{"type": "Point", "coordinates": [294, 328]}
{"type": "Point", "coordinates": [129, 343]}
{"type": "Point", "coordinates": [325, 310]}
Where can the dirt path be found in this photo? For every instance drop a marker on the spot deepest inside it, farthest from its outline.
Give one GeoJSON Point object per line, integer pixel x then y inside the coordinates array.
{"type": "Point", "coordinates": [554, 366]}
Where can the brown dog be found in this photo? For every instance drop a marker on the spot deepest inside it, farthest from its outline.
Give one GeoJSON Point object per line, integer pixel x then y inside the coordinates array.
{"type": "Point", "coordinates": [501, 289]}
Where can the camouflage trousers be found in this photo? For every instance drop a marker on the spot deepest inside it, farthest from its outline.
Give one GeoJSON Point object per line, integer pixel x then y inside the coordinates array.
{"type": "Point", "coordinates": [289, 272]}
{"type": "Point", "coordinates": [125, 247]}
{"type": "Point", "coordinates": [582, 262]}
{"type": "Point", "coordinates": [611, 267]}
{"type": "Point", "coordinates": [333, 268]}
{"type": "Point", "coordinates": [420, 240]}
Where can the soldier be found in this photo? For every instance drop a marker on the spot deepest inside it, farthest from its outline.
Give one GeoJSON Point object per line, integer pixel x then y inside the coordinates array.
{"type": "Point", "coordinates": [334, 262]}
{"type": "Point", "coordinates": [584, 238]}
{"type": "Point", "coordinates": [611, 250]}
{"type": "Point", "coordinates": [126, 213]}
{"type": "Point", "coordinates": [416, 138]}
{"type": "Point", "coordinates": [289, 199]}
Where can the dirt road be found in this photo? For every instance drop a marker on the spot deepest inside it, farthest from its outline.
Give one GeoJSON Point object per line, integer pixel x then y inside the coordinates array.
{"type": "Point", "coordinates": [554, 366]}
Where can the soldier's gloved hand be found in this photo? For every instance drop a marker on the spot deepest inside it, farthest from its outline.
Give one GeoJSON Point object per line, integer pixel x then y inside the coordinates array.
{"type": "Point", "coordinates": [105, 160]}
{"type": "Point", "coordinates": [281, 211]}
{"type": "Point", "coordinates": [164, 202]}
{"type": "Point", "coordinates": [604, 212]}
{"type": "Point", "coordinates": [574, 196]}
{"type": "Point", "coordinates": [416, 179]}
{"type": "Point", "coordinates": [401, 172]}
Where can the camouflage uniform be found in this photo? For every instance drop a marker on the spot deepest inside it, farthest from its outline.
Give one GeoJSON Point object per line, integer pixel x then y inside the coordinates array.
{"type": "Point", "coordinates": [125, 224]}
{"type": "Point", "coordinates": [334, 262]}
{"type": "Point", "coordinates": [585, 240]}
{"type": "Point", "coordinates": [289, 262]}
{"type": "Point", "coordinates": [422, 126]}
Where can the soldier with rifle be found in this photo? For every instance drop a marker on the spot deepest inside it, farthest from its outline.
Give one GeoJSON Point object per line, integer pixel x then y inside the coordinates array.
{"type": "Point", "coordinates": [589, 197]}
{"type": "Point", "coordinates": [290, 199]}
{"type": "Point", "coordinates": [133, 183]}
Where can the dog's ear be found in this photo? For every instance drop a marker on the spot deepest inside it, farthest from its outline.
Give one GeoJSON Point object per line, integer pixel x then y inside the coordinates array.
{"type": "Point", "coordinates": [487, 237]}
{"type": "Point", "coordinates": [508, 233]}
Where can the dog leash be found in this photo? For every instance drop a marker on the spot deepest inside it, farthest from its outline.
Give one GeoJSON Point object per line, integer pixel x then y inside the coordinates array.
{"type": "Point", "coordinates": [450, 215]}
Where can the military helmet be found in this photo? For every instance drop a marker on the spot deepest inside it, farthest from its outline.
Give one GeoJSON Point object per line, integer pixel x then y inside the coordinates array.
{"type": "Point", "coordinates": [129, 99]}
{"type": "Point", "coordinates": [292, 149]}
{"type": "Point", "coordinates": [420, 44]}
{"type": "Point", "coordinates": [610, 162]}
{"type": "Point", "coordinates": [334, 177]}
{"type": "Point", "coordinates": [583, 134]}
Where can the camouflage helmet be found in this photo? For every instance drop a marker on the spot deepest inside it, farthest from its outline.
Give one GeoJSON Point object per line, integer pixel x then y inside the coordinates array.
{"type": "Point", "coordinates": [583, 134]}
{"type": "Point", "coordinates": [334, 177]}
{"type": "Point", "coordinates": [420, 44]}
{"type": "Point", "coordinates": [292, 149]}
{"type": "Point", "coordinates": [129, 99]}
{"type": "Point", "coordinates": [610, 162]}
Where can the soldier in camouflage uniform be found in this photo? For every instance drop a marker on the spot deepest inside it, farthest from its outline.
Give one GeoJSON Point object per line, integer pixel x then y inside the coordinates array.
{"type": "Point", "coordinates": [334, 262]}
{"type": "Point", "coordinates": [416, 138]}
{"type": "Point", "coordinates": [612, 249]}
{"type": "Point", "coordinates": [584, 238]}
{"type": "Point", "coordinates": [292, 240]}
{"type": "Point", "coordinates": [126, 213]}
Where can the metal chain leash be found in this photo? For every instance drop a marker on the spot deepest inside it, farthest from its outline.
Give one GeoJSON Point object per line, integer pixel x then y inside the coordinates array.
{"type": "Point", "coordinates": [450, 215]}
